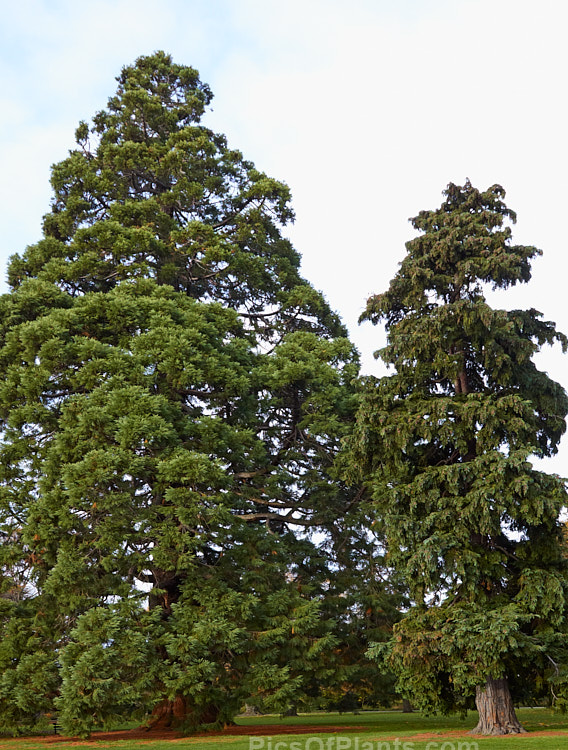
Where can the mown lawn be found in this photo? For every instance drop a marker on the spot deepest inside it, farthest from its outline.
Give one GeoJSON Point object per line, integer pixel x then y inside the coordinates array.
{"type": "Point", "coordinates": [386, 730]}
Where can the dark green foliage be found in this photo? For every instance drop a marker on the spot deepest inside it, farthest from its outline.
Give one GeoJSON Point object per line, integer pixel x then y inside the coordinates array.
{"type": "Point", "coordinates": [364, 598]}
{"type": "Point", "coordinates": [28, 673]}
{"type": "Point", "coordinates": [444, 444]}
{"type": "Point", "coordinates": [172, 398]}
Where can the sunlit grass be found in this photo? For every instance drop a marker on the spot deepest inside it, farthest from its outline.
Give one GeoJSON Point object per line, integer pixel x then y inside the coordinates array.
{"type": "Point", "coordinates": [364, 731]}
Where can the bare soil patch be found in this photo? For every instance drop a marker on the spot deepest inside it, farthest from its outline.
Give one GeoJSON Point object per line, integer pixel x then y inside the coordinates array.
{"type": "Point", "coordinates": [142, 735]}
{"type": "Point", "coordinates": [153, 735]}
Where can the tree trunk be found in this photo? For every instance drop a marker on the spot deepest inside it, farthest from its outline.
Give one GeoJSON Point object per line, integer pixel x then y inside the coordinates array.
{"type": "Point", "coordinates": [251, 710]}
{"type": "Point", "coordinates": [170, 714]}
{"type": "Point", "coordinates": [496, 710]}
{"type": "Point", "coordinates": [406, 706]}
{"type": "Point", "coordinates": [292, 711]}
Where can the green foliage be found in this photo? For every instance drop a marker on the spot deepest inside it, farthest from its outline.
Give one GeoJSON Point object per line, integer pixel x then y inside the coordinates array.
{"type": "Point", "coordinates": [172, 398]}
{"type": "Point", "coordinates": [28, 674]}
{"type": "Point", "coordinates": [110, 667]}
{"type": "Point", "coordinates": [444, 444]}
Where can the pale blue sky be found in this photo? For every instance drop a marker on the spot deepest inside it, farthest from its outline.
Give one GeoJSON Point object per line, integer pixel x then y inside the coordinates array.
{"type": "Point", "coordinates": [366, 109]}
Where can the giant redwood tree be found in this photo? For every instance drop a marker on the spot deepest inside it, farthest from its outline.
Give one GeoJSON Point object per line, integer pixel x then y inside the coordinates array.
{"type": "Point", "coordinates": [445, 444]}
{"type": "Point", "coordinates": [172, 397]}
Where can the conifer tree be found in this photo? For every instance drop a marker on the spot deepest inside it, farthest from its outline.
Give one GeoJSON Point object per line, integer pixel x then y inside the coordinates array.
{"type": "Point", "coordinates": [445, 445]}
{"type": "Point", "coordinates": [172, 397]}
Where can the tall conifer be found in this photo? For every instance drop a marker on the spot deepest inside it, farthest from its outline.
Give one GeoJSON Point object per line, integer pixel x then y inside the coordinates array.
{"type": "Point", "coordinates": [172, 396]}
{"type": "Point", "coordinates": [445, 445]}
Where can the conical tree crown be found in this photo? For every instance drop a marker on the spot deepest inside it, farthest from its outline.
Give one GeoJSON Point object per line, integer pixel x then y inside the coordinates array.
{"type": "Point", "coordinates": [172, 398]}
{"type": "Point", "coordinates": [462, 245]}
{"type": "Point", "coordinates": [150, 192]}
{"type": "Point", "coordinates": [443, 337]}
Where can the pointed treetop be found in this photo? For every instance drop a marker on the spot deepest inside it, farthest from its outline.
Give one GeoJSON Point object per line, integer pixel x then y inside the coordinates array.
{"type": "Point", "coordinates": [462, 245]}
{"type": "Point", "coordinates": [153, 93]}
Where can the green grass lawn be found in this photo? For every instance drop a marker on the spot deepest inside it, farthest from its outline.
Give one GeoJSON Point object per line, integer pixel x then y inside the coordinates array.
{"type": "Point", "coordinates": [382, 730]}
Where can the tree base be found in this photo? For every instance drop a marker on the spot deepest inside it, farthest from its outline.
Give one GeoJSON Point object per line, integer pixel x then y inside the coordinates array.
{"type": "Point", "coordinates": [174, 714]}
{"type": "Point", "coordinates": [292, 711]}
{"type": "Point", "coordinates": [496, 711]}
{"type": "Point", "coordinates": [251, 710]}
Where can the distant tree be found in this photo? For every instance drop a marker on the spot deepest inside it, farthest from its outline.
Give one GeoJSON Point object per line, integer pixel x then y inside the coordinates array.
{"type": "Point", "coordinates": [364, 598]}
{"type": "Point", "coordinates": [444, 444]}
{"type": "Point", "coordinates": [172, 397]}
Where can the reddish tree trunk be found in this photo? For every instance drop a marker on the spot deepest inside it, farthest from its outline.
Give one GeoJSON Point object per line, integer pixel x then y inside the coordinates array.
{"type": "Point", "coordinates": [496, 710]}
{"type": "Point", "coordinates": [168, 714]}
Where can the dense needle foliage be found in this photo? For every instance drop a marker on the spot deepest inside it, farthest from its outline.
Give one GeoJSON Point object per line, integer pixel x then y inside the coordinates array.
{"type": "Point", "coordinates": [445, 445]}
{"type": "Point", "coordinates": [172, 397]}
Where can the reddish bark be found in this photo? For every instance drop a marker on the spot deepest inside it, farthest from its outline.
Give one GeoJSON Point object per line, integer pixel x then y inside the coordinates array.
{"type": "Point", "coordinates": [169, 714]}
{"type": "Point", "coordinates": [496, 711]}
